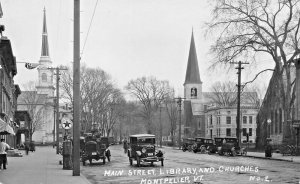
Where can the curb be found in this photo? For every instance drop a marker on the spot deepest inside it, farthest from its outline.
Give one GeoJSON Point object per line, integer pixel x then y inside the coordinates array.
{"type": "Point", "coordinates": [267, 158]}
{"type": "Point", "coordinates": [85, 179]}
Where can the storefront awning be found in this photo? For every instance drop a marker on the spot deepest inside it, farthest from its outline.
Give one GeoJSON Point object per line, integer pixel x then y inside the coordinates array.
{"type": "Point", "coordinates": [5, 128]}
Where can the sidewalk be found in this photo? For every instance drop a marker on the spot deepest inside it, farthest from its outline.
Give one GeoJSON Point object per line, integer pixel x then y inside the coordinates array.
{"type": "Point", "coordinates": [275, 156]}
{"type": "Point", "coordinates": [40, 167]}
{"type": "Point", "coordinates": [261, 155]}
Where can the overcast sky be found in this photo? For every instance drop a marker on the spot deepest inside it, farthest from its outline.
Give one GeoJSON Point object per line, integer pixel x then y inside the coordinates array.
{"type": "Point", "coordinates": [128, 38]}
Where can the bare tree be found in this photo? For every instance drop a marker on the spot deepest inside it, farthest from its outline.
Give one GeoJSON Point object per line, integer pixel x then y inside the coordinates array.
{"type": "Point", "coordinates": [34, 103]}
{"type": "Point", "coordinates": [171, 108]}
{"type": "Point", "coordinates": [114, 111]}
{"type": "Point", "coordinates": [223, 94]}
{"type": "Point", "coordinates": [97, 94]}
{"type": "Point", "coordinates": [151, 93]}
{"type": "Point", "coordinates": [249, 27]}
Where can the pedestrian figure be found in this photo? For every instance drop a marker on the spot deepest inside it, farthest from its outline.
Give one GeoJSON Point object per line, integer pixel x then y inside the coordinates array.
{"type": "Point", "coordinates": [125, 146]}
{"type": "Point", "coordinates": [26, 148]}
{"type": "Point", "coordinates": [3, 155]}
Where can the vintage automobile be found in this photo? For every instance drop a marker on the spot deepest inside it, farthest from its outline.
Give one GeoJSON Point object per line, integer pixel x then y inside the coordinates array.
{"type": "Point", "coordinates": [202, 145]}
{"type": "Point", "coordinates": [142, 149]}
{"type": "Point", "coordinates": [187, 144]}
{"type": "Point", "coordinates": [218, 141]}
{"type": "Point", "coordinates": [230, 146]}
{"type": "Point", "coordinates": [95, 149]}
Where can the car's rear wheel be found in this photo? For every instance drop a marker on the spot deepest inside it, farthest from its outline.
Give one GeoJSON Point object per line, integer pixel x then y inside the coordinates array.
{"type": "Point", "coordinates": [203, 149]}
{"type": "Point", "coordinates": [233, 153]}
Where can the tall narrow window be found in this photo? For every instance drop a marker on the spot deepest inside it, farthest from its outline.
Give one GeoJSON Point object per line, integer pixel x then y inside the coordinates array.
{"type": "Point", "coordinates": [228, 132]}
{"type": "Point", "coordinates": [244, 119]}
{"type": "Point", "coordinates": [44, 77]}
{"type": "Point", "coordinates": [218, 120]}
{"type": "Point", "coordinates": [244, 131]}
{"type": "Point", "coordinates": [250, 131]}
{"type": "Point", "coordinates": [276, 122]}
{"type": "Point", "coordinates": [280, 120]}
{"type": "Point", "coordinates": [250, 119]}
{"type": "Point", "coordinates": [272, 123]}
{"type": "Point", "coordinates": [228, 119]}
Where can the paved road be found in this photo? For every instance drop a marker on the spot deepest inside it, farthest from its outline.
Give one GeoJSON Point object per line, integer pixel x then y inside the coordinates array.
{"type": "Point", "coordinates": [185, 167]}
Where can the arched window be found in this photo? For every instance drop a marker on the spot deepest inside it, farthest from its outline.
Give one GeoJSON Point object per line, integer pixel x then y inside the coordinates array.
{"type": "Point", "coordinates": [44, 77]}
{"type": "Point", "coordinates": [194, 92]}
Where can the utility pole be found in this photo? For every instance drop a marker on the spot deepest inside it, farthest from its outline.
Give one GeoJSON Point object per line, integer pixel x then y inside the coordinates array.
{"type": "Point", "coordinates": [57, 103]}
{"type": "Point", "coordinates": [179, 100]}
{"type": "Point", "coordinates": [160, 124]}
{"type": "Point", "coordinates": [57, 110]}
{"type": "Point", "coordinates": [54, 100]}
{"type": "Point", "coordinates": [76, 90]}
{"type": "Point", "coordinates": [238, 118]}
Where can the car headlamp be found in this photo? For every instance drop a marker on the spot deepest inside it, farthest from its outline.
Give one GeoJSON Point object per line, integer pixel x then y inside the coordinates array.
{"type": "Point", "coordinates": [144, 150]}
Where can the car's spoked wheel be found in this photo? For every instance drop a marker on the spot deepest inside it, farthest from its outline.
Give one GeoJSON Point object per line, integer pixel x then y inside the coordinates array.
{"type": "Point", "coordinates": [233, 153]}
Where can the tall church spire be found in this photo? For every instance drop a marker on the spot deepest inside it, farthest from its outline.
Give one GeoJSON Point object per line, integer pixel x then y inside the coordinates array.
{"type": "Point", "coordinates": [45, 47]}
{"type": "Point", "coordinates": [192, 75]}
{"type": "Point", "coordinates": [45, 85]}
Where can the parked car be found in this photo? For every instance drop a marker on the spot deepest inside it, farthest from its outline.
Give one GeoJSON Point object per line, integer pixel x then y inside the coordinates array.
{"type": "Point", "coordinates": [95, 149]}
{"type": "Point", "coordinates": [218, 141]}
{"type": "Point", "coordinates": [188, 144]}
{"type": "Point", "coordinates": [142, 149]}
{"type": "Point", "coordinates": [230, 147]}
{"type": "Point", "coordinates": [202, 145]}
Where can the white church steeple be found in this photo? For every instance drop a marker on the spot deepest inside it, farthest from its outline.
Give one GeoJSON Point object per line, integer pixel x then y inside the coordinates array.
{"type": "Point", "coordinates": [45, 85]}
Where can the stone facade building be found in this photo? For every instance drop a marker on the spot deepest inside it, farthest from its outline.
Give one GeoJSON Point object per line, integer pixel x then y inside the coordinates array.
{"type": "Point", "coordinates": [221, 122]}
{"type": "Point", "coordinates": [271, 121]}
{"type": "Point", "coordinates": [8, 90]}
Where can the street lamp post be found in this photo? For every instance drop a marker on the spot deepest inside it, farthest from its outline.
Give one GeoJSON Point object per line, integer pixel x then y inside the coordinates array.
{"type": "Point", "coordinates": [269, 129]}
